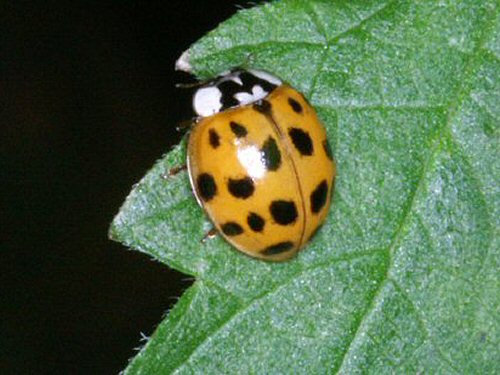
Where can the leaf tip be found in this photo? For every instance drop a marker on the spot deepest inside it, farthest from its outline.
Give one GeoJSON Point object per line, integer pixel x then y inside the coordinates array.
{"type": "Point", "coordinates": [183, 64]}
{"type": "Point", "coordinates": [114, 229]}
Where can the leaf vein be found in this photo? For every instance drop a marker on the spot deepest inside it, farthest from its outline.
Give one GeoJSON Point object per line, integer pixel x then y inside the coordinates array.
{"type": "Point", "coordinates": [269, 292]}
{"type": "Point", "coordinates": [422, 324]}
{"type": "Point", "coordinates": [390, 250]}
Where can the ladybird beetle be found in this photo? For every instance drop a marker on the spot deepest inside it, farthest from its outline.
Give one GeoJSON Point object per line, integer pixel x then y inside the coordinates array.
{"type": "Point", "coordinates": [259, 163]}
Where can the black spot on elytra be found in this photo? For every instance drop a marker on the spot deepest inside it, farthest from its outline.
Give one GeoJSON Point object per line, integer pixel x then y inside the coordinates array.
{"type": "Point", "coordinates": [318, 197]}
{"type": "Point", "coordinates": [241, 188]}
{"type": "Point", "coordinates": [231, 228]}
{"type": "Point", "coordinates": [297, 108]}
{"type": "Point", "coordinates": [328, 149]}
{"type": "Point", "coordinates": [278, 248]}
{"type": "Point", "coordinates": [283, 212]}
{"type": "Point", "coordinates": [255, 222]}
{"type": "Point", "coordinates": [213, 138]}
{"type": "Point", "coordinates": [206, 186]}
{"type": "Point", "coordinates": [263, 106]}
{"type": "Point", "coordinates": [238, 129]}
{"type": "Point", "coordinates": [271, 156]}
{"type": "Point", "coordinates": [301, 140]}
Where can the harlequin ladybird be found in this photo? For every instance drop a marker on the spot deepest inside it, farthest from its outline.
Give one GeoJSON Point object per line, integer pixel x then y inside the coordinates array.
{"type": "Point", "coordinates": [259, 163]}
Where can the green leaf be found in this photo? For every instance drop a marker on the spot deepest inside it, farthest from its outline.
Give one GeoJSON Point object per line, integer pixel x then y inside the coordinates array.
{"type": "Point", "coordinates": [403, 278]}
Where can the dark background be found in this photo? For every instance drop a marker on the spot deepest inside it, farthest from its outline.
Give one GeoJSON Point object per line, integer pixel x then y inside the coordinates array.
{"type": "Point", "coordinates": [87, 103]}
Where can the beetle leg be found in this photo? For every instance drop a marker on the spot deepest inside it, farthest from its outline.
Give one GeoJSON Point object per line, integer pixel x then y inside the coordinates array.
{"type": "Point", "coordinates": [175, 170]}
{"type": "Point", "coordinates": [185, 124]}
{"type": "Point", "coordinates": [209, 235]}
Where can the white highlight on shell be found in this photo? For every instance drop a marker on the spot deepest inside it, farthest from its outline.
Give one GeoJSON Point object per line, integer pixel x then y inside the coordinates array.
{"type": "Point", "coordinates": [183, 64]}
{"type": "Point", "coordinates": [246, 98]}
{"type": "Point", "coordinates": [251, 159]}
{"type": "Point", "coordinates": [207, 101]}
